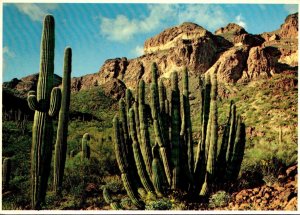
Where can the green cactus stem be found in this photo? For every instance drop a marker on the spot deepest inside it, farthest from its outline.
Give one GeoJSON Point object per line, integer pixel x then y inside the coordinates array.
{"type": "Point", "coordinates": [130, 189]}
{"type": "Point", "coordinates": [158, 129]}
{"type": "Point", "coordinates": [139, 162]}
{"type": "Point", "coordinates": [213, 144]}
{"type": "Point", "coordinates": [157, 176]}
{"type": "Point", "coordinates": [186, 129]}
{"type": "Point", "coordinates": [175, 131]}
{"type": "Point", "coordinates": [144, 130]}
{"type": "Point", "coordinates": [62, 130]}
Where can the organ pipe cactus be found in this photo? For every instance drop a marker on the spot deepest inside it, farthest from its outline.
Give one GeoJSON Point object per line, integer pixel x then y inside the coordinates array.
{"type": "Point", "coordinates": [6, 172]}
{"type": "Point", "coordinates": [62, 130]}
{"type": "Point", "coordinates": [46, 103]}
{"type": "Point", "coordinates": [172, 161]}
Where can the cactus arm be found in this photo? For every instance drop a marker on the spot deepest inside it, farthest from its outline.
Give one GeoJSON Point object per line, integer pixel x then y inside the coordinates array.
{"type": "Point", "coordinates": [55, 102]}
{"type": "Point", "coordinates": [32, 102]}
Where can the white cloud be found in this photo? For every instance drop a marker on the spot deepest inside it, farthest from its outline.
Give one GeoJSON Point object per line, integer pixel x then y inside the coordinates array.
{"type": "Point", "coordinates": [121, 28]}
{"type": "Point", "coordinates": [210, 17]}
{"type": "Point", "coordinates": [138, 51]}
{"type": "Point", "coordinates": [240, 21]}
{"type": "Point", "coordinates": [36, 12]}
{"type": "Point", "coordinates": [291, 8]}
{"type": "Point", "coordinates": [7, 53]}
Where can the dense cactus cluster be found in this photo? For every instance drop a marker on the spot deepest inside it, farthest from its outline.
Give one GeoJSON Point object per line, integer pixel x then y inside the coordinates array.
{"type": "Point", "coordinates": [172, 164]}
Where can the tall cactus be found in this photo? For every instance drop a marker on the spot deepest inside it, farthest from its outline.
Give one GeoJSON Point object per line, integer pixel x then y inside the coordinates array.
{"type": "Point", "coordinates": [86, 151]}
{"type": "Point", "coordinates": [62, 130]}
{"type": "Point", "coordinates": [46, 104]}
{"type": "Point", "coordinates": [6, 174]}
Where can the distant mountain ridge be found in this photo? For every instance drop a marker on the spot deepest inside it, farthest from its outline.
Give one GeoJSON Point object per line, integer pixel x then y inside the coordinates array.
{"type": "Point", "coordinates": [231, 51]}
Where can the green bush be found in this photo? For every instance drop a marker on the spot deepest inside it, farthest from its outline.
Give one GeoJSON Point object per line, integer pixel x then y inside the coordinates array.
{"type": "Point", "coordinates": [219, 199]}
{"type": "Point", "coordinates": [160, 204]}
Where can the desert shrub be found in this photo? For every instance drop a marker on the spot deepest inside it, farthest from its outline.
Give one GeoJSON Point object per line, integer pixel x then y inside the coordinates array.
{"type": "Point", "coordinates": [160, 204]}
{"type": "Point", "coordinates": [219, 199]}
{"type": "Point", "coordinates": [114, 183]}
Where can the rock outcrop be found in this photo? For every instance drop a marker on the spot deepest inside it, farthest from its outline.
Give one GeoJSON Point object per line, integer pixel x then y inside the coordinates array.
{"type": "Point", "coordinates": [289, 29]}
{"type": "Point", "coordinates": [238, 36]}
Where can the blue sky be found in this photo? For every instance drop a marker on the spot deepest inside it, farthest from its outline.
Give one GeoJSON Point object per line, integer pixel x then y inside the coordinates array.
{"type": "Point", "coordinates": [97, 32]}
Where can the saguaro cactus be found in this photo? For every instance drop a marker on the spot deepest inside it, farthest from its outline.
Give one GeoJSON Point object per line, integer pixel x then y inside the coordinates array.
{"type": "Point", "coordinates": [62, 130]}
{"type": "Point", "coordinates": [46, 104]}
{"type": "Point", "coordinates": [6, 172]}
{"type": "Point", "coordinates": [86, 146]}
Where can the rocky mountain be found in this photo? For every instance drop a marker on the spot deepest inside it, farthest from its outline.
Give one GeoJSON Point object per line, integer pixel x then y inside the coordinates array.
{"type": "Point", "coordinates": [237, 55]}
{"type": "Point", "coordinates": [232, 52]}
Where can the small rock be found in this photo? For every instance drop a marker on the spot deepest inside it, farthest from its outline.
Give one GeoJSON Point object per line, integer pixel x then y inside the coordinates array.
{"type": "Point", "coordinates": [292, 205]}
{"type": "Point", "coordinates": [258, 200]}
{"type": "Point", "coordinates": [256, 190]}
{"type": "Point", "coordinates": [244, 206]}
{"type": "Point", "coordinates": [291, 171]}
{"type": "Point", "coordinates": [284, 196]}
{"type": "Point", "coordinates": [267, 196]}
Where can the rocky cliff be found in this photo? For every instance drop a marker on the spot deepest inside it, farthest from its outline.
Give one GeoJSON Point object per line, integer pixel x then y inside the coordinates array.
{"type": "Point", "coordinates": [232, 52]}
{"type": "Point", "coordinates": [235, 54]}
